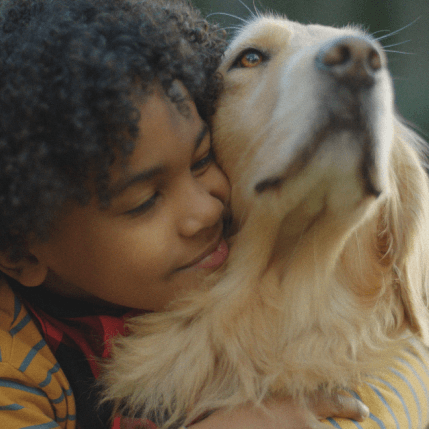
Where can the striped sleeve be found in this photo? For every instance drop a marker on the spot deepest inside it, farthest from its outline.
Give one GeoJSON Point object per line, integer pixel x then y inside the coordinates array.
{"type": "Point", "coordinates": [34, 392]}
{"type": "Point", "coordinates": [398, 398]}
{"type": "Point", "coordinates": [22, 404]}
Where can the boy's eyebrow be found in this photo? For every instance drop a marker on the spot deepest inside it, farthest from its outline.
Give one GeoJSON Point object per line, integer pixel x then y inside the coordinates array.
{"type": "Point", "coordinates": [128, 181]}
{"type": "Point", "coordinates": [150, 173]}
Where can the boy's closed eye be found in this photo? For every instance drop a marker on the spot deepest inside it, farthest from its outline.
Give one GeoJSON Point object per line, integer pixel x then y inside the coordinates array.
{"type": "Point", "coordinates": [201, 165]}
{"type": "Point", "coordinates": [198, 168]}
{"type": "Point", "coordinates": [144, 206]}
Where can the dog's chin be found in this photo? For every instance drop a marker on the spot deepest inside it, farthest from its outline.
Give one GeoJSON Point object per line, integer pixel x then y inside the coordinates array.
{"type": "Point", "coordinates": [339, 172]}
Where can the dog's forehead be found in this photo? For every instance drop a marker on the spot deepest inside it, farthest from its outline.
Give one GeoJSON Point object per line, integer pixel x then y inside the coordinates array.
{"type": "Point", "coordinates": [264, 30]}
{"type": "Point", "coordinates": [275, 32]}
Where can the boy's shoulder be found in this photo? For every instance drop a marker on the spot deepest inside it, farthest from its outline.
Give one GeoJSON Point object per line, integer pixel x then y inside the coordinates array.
{"type": "Point", "coordinates": [32, 384]}
{"type": "Point", "coordinates": [12, 312]}
{"type": "Point", "coordinates": [21, 343]}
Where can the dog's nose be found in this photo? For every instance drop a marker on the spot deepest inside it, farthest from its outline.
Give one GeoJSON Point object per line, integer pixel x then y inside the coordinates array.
{"type": "Point", "coordinates": [353, 61]}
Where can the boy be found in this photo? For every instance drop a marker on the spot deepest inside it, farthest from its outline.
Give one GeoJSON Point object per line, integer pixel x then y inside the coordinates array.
{"type": "Point", "coordinates": [112, 202]}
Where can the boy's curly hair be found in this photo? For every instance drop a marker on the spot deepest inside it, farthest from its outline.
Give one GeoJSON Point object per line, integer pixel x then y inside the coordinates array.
{"type": "Point", "coordinates": [68, 72]}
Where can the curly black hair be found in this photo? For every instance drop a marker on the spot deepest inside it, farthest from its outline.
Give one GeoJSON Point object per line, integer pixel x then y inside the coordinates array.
{"type": "Point", "coordinates": [68, 71]}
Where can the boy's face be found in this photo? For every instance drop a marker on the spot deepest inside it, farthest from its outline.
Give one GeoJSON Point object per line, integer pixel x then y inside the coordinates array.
{"type": "Point", "coordinates": [163, 230]}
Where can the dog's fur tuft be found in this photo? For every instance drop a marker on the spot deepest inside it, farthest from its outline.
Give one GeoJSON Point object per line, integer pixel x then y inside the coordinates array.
{"type": "Point", "coordinates": [328, 269]}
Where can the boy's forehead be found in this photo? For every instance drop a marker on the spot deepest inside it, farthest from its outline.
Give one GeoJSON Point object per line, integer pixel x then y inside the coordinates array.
{"type": "Point", "coordinates": [161, 113]}
{"type": "Point", "coordinates": [176, 93]}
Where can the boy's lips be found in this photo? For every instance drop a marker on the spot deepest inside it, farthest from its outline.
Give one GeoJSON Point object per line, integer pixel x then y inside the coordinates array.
{"type": "Point", "coordinates": [215, 258]}
{"type": "Point", "coordinates": [211, 258]}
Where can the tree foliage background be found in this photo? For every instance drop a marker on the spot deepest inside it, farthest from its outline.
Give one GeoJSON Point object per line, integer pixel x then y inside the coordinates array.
{"type": "Point", "coordinates": [410, 70]}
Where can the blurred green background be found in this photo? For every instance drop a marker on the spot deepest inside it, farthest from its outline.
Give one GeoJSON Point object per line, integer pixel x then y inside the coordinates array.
{"type": "Point", "coordinates": [410, 71]}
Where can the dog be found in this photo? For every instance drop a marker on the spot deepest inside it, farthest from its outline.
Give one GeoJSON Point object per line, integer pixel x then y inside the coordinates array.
{"type": "Point", "coordinates": [328, 269]}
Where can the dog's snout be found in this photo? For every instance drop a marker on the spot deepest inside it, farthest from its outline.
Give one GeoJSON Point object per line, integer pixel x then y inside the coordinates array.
{"type": "Point", "coordinates": [353, 61]}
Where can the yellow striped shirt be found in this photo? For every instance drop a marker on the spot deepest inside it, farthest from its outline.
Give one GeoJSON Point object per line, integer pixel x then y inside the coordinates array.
{"type": "Point", "coordinates": [34, 392]}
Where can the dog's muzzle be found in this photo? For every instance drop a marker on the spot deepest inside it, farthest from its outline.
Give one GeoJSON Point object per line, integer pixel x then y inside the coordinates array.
{"type": "Point", "coordinates": [351, 66]}
{"type": "Point", "coordinates": [351, 61]}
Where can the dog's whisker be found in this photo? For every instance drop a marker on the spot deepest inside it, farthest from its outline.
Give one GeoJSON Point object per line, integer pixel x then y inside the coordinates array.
{"type": "Point", "coordinates": [379, 31]}
{"type": "Point", "coordinates": [230, 15]}
{"type": "Point", "coordinates": [257, 12]}
{"type": "Point", "coordinates": [252, 14]}
{"type": "Point", "coordinates": [396, 44]}
{"type": "Point", "coordinates": [399, 52]}
{"type": "Point", "coordinates": [398, 31]}
{"type": "Point", "coordinates": [233, 27]}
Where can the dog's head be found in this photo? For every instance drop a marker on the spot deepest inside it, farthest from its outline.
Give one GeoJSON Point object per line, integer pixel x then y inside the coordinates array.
{"type": "Point", "coordinates": [307, 133]}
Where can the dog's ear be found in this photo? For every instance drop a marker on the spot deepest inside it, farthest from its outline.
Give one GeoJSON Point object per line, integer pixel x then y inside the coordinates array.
{"type": "Point", "coordinates": [407, 224]}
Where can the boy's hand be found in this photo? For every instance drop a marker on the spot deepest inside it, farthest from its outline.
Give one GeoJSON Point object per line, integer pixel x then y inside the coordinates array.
{"type": "Point", "coordinates": [338, 405]}
{"type": "Point", "coordinates": [287, 414]}
{"type": "Point", "coordinates": [279, 414]}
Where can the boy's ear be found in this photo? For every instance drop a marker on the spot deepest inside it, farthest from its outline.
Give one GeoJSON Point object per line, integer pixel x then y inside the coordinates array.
{"type": "Point", "coordinates": [28, 271]}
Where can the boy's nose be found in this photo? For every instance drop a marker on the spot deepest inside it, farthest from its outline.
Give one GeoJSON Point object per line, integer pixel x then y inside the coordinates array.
{"type": "Point", "coordinates": [200, 211]}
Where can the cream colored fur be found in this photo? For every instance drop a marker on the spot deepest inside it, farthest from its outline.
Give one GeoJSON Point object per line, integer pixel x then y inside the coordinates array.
{"type": "Point", "coordinates": [324, 279]}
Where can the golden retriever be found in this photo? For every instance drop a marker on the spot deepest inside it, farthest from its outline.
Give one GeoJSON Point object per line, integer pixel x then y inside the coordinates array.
{"type": "Point", "coordinates": [328, 270]}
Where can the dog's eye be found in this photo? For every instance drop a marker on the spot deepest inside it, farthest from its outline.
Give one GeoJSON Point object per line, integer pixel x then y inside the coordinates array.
{"type": "Point", "coordinates": [249, 58]}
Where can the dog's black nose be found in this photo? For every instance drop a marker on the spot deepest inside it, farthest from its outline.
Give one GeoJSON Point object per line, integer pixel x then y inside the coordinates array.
{"type": "Point", "coordinates": [353, 61]}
